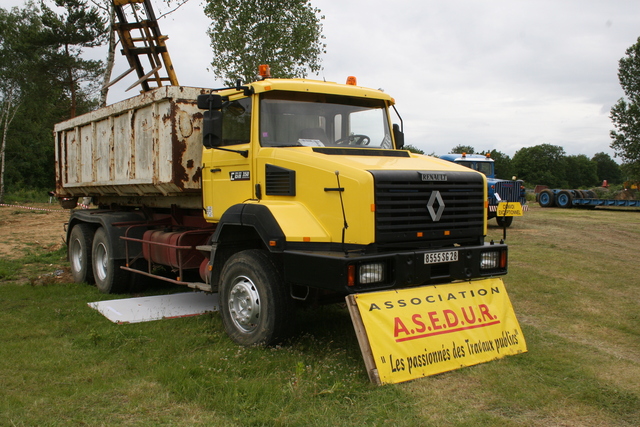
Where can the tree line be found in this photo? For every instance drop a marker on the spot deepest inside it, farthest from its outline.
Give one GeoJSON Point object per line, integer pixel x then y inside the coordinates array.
{"type": "Point", "coordinates": [44, 79]}
{"type": "Point", "coordinates": [549, 165]}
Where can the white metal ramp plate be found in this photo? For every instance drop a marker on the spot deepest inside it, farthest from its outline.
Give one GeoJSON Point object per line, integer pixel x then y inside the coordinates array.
{"type": "Point", "coordinates": [145, 309]}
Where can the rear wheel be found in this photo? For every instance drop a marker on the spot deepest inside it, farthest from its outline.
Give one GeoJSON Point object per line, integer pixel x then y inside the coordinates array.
{"type": "Point", "coordinates": [79, 251]}
{"type": "Point", "coordinates": [546, 199]}
{"type": "Point", "coordinates": [256, 309]}
{"type": "Point", "coordinates": [109, 277]}
{"type": "Point", "coordinates": [564, 199]}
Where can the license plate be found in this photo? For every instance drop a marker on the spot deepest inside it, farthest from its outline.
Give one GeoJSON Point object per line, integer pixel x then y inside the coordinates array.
{"type": "Point", "coordinates": [440, 257]}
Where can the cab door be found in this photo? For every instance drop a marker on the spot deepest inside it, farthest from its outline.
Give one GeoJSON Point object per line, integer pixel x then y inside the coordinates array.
{"type": "Point", "coordinates": [227, 177]}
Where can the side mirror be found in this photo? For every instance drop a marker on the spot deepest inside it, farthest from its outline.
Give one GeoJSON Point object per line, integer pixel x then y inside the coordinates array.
{"type": "Point", "coordinates": [211, 128]}
{"type": "Point", "coordinates": [398, 136]}
{"type": "Point", "coordinates": [209, 101]}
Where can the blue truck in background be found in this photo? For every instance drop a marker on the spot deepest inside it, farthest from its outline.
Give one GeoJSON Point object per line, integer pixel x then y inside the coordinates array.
{"type": "Point", "coordinates": [498, 190]}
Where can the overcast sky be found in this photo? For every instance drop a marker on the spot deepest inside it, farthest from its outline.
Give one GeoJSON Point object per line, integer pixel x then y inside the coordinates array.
{"type": "Point", "coordinates": [491, 74]}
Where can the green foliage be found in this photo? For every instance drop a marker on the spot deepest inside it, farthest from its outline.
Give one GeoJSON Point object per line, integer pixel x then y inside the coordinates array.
{"type": "Point", "coordinates": [413, 149]}
{"type": "Point", "coordinates": [607, 169]}
{"type": "Point", "coordinates": [23, 195]}
{"type": "Point", "coordinates": [459, 149]}
{"type": "Point", "coordinates": [541, 164]}
{"type": "Point", "coordinates": [286, 34]}
{"type": "Point", "coordinates": [581, 172]}
{"type": "Point", "coordinates": [626, 113]}
{"type": "Point", "coordinates": [40, 62]}
{"type": "Point", "coordinates": [67, 34]}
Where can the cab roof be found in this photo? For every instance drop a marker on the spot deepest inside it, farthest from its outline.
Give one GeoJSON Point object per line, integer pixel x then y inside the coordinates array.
{"type": "Point", "coordinates": [466, 157]}
{"type": "Point", "coordinates": [318, 86]}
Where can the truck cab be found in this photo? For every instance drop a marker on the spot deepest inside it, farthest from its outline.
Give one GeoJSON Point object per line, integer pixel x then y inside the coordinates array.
{"type": "Point", "coordinates": [498, 190]}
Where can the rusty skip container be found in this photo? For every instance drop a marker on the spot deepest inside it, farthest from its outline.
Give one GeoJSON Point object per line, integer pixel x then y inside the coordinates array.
{"type": "Point", "coordinates": [143, 151]}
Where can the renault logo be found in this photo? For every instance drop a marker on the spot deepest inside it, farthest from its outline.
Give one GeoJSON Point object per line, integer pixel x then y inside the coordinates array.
{"type": "Point", "coordinates": [435, 197]}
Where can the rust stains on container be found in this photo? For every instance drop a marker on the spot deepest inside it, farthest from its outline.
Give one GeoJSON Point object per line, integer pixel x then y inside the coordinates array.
{"type": "Point", "coordinates": [143, 148]}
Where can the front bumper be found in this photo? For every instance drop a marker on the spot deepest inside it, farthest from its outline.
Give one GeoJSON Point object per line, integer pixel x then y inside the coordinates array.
{"type": "Point", "coordinates": [334, 270]}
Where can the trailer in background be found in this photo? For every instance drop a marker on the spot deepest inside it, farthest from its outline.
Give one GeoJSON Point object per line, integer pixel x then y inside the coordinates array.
{"type": "Point", "coordinates": [561, 198]}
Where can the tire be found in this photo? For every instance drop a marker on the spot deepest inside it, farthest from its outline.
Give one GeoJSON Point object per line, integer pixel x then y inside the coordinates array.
{"type": "Point", "coordinates": [590, 194]}
{"type": "Point", "coordinates": [564, 199]}
{"type": "Point", "coordinates": [109, 277]}
{"type": "Point", "coordinates": [79, 250]}
{"type": "Point", "coordinates": [504, 221]}
{"type": "Point", "coordinates": [256, 308]}
{"type": "Point", "coordinates": [546, 199]}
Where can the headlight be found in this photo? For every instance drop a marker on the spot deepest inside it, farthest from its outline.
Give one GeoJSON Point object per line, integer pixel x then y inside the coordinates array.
{"type": "Point", "coordinates": [371, 273]}
{"type": "Point", "coordinates": [489, 260]}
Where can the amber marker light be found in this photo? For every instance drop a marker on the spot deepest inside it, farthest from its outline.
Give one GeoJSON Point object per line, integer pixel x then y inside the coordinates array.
{"type": "Point", "coordinates": [447, 232]}
{"type": "Point", "coordinates": [273, 243]}
{"type": "Point", "coordinates": [373, 208]}
{"type": "Point", "coordinates": [419, 234]}
{"type": "Point", "coordinates": [352, 81]}
{"type": "Point", "coordinates": [503, 259]}
{"type": "Point", "coordinates": [351, 275]}
{"type": "Point", "coordinates": [306, 239]}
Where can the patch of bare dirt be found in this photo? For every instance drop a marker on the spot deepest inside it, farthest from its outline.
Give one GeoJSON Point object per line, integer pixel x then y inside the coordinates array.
{"type": "Point", "coordinates": [60, 275]}
{"type": "Point", "coordinates": [31, 225]}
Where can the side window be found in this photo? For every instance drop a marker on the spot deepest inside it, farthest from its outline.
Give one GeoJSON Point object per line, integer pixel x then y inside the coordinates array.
{"type": "Point", "coordinates": [337, 127]}
{"type": "Point", "coordinates": [371, 123]}
{"type": "Point", "coordinates": [236, 122]}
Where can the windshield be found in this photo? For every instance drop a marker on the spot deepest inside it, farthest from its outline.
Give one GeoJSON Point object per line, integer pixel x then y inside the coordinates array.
{"type": "Point", "coordinates": [484, 167]}
{"type": "Point", "coordinates": [290, 119]}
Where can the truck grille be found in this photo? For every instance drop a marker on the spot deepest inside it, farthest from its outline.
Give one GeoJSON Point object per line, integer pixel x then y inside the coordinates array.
{"type": "Point", "coordinates": [509, 191]}
{"type": "Point", "coordinates": [403, 215]}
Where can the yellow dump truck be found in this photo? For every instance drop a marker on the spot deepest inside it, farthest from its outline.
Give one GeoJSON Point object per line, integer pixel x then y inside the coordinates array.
{"type": "Point", "coordinates": [277, 193]}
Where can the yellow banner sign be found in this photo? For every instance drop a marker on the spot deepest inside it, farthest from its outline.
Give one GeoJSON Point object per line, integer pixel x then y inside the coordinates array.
{"type": "Point", "coordinates": [509, 209]}
{"type": "Point", "coordinates": [416, 332]}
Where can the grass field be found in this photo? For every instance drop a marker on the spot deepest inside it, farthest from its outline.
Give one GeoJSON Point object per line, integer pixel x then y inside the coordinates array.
{"type": "Point", "coordinates": [574, 283]}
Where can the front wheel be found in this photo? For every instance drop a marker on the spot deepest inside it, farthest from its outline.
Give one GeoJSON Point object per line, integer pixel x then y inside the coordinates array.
{"type": "Point", "coordinates": [256, 309]}
{"type": "Point", "coordinates": [504, 221]}
{"type": "Point", "coordinates": [546, 199]}
{"type": "Point", "coordinates": [109, 277]}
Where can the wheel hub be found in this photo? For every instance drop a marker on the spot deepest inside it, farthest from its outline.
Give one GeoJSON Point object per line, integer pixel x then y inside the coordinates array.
{"type": "Point", "coordinates": [244, 304]}
{"type": "Point", "coordinates": [101, 261]}
{"type": "Point", "coordinates": [76, 255]}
